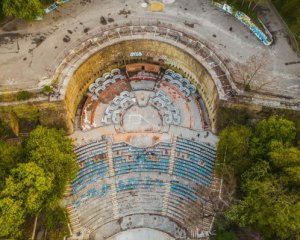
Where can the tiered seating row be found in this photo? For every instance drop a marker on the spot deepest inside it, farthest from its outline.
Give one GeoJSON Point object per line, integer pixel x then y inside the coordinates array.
{"type": "Point", "coordinates": [82, 149]}
{"type": "Point", "coordinates": [93, 198]}
{"type": "Point", "coordinates": [91, 159]}
{"type": "Point", "coordinates": [135, 183]}
{"type": "Point", "coordinates": [197, 157]}
{"type": "Point", "coordinates": [205, 146]}
{"type": "Point", "coordinates": [115, 110]}
{"type": "Point", "coordinates": [98, 211]}
{"type": "Point", "coordinates": [133, 159]}
{"type": "Point", "coordinates": [87, 176]}
{"type": "Point", "coordinates": [194, 161]}
{"type": "Point", "coordinates": [94, 150]}
{"type": "Point", "coordinates": [184, 191]}
{"type": "Point", "coordinates": [85, 197]}
{"type": "Point", "coordinates": [183, 84]}
{"type": "Point", "coordinates": [191, 172]}
{"type": "Point", "coordinates": [163, 102]}
{"type": "Point", "coordinates": [204, 151]}
{"type": "Point", "coordinates": [103, 82]}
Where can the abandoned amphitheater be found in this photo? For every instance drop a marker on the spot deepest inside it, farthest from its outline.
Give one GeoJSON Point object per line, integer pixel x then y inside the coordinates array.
{"type": "Point", "coordinates": [140, 96]}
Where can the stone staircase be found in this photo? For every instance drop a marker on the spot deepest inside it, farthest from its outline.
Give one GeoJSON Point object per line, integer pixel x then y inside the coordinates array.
{"type": "Point", "coordinates": [172, 155]}
{"type": "Point", "coordinates": [68, 190]}
{"type": "Point", "coordinates": [166, 198]}
{"type": "Point", "coordinates": [111, 172]}
{"type": "Point", "coordinates": [74, 220]}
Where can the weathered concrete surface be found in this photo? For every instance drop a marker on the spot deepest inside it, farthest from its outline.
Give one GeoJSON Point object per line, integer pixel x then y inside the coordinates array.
{"type": "Point", "coordinates": [29, 50]}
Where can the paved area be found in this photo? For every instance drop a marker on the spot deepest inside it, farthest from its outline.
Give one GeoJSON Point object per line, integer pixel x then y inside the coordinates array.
{"type": "Point", "coordinates": [143, 117]}
{"type": "Point", "coordinates": [33, 47]}
{"type": "Point", "coordinates": [138, 119]}
{"type": "Point", "coordinates": [141, 233]}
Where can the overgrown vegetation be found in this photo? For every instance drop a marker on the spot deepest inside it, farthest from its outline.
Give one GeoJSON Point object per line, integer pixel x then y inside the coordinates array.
{"type": "Point", "coordinates": [47, 90]}
{"type": "Point", "coordinates": [19, 120]}
{"type": "Point", "coordinates": [33, 177]}
{"type": "Point", "coordinates": [23, 95]}
{"type": "Point", "coordinates": [25, 9]}
{"type": "Point", "coordinates": [266, 164]}
{"type": "Point", "coordinates": [4, 129]}
{"type": "Point", "coordinates": [246, 6]}
{"type": "Point", "coordinates": [225, 229]}
{"type": "Point", "coordinates": [56, 223]}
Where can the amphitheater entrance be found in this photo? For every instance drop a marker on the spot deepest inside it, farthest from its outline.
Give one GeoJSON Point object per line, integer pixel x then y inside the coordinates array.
{"type": "Point", "coordinates": [141, 233]}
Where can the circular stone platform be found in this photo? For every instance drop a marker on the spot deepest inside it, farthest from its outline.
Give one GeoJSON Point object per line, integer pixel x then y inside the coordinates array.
{"type": "Point", "coordinates": [141, 233]}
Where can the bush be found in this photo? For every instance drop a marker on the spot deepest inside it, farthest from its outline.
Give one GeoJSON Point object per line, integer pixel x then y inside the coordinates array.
{"type": "Point", "coordinates": [23, 95]}
{"type": "Point", "coordinates": [47, 89]}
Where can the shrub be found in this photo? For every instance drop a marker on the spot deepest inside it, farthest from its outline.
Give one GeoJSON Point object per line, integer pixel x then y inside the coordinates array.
{"type": "Point", "coordinates": [23, 95]}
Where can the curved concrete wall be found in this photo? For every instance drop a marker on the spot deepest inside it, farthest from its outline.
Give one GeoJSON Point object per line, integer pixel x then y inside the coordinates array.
{"type": "Point", "coordinates": [118, 54]}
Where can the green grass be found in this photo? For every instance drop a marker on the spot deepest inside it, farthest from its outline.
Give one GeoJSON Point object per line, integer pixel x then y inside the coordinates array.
{"type": "Point", "coordinates": [290, 12]}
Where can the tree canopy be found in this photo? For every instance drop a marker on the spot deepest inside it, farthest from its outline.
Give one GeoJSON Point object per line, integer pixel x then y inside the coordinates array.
{"type": "Point", "coordinates": [234, 147]}
{"type": "Point", "coordinates": [12, 216]}
{"type": "Point", "coordinates": [30, 184]}
{"type": "Point", "coordinates": [10, 156]}
{"type": "Point", "coordinates": [53, 152]}
{"type": "Point", "coordinates": [27, 9]}
{"type": "Point", "coordinates": [26, 191]}
{"type": "Point", "coordinates": [267, 163]}
{"type": "Point", "coordinates": [33, 181]}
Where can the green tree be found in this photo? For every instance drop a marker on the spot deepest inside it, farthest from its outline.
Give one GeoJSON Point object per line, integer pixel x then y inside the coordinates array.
{"type": "Point", "coordinates": [269, 184]}
{"type": "Point", "coordinates": [29, 184]}
{"type": "Point", "coordinates": [12, 216]}
{"type": "Point", "coordinates": [47, 89]}
{"type": "Point", "coordinates": [53, 152]}
{"type": "Point", "coordinates": [27, 9]}
{"type": "Point", "coordinates": [10, 156]}
{"type": "Point", "coordinates": [273, 129]}
{"type": "Point", "coordinates": [233, 147]}
{"type": "Point", "coordinates": [286, 165]}
{"type": "Point", "coordinates": [269, 209]}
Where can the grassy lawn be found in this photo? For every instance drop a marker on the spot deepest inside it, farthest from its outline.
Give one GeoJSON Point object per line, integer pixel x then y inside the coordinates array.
{"type": "Point", "coordinates": [290, 12]}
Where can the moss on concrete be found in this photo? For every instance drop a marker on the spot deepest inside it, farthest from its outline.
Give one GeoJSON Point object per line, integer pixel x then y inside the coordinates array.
{"type": "Point", "coordinates": [23, 118]}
